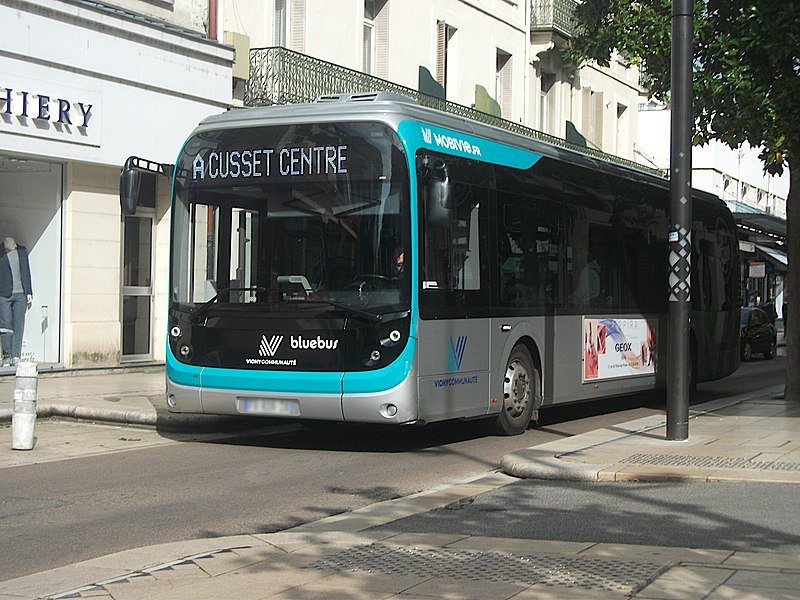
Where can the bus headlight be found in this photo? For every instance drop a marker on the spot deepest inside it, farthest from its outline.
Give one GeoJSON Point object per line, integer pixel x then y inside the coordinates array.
{"type": "Point", "coordinates": [185, 350]}
{"type": "Point", "coordinates": [375, 356]}
{"type": "Point", "coordinates": [175, 332]}
{"type": "Point", "coordinates": [392, 339]}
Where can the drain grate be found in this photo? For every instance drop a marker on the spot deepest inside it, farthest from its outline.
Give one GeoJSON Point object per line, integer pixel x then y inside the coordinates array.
{"type": "Point", "coordinates": [715, 462]}
{"type": "Point", "coordinates": [590, 574]}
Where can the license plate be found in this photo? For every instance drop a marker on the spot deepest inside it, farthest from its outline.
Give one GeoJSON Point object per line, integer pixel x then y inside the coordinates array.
{"type": "Point", "coordinates": [268, 406]}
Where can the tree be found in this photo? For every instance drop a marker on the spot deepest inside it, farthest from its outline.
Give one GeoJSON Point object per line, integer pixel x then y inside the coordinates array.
{"type": "Point", "coordinates": [746, 81]}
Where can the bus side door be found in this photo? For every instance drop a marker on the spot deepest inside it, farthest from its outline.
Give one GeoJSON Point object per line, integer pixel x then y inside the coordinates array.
{"type": "Point", "coordinates": [454, 196]}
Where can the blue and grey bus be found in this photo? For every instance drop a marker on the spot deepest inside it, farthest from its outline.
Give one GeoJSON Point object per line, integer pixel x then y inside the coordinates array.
{"type": "Point", "coordinates": [366, 259]}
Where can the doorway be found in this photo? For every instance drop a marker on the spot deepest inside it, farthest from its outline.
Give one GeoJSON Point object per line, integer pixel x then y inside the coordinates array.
{"type": "Point", "coordinates": [137, 287]}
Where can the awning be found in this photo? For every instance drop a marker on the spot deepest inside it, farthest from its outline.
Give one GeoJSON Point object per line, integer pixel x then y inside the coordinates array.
{"type": "Point", "coordinates": [776, 255]}
{"type": "Point", "coordinates": [759, 226]}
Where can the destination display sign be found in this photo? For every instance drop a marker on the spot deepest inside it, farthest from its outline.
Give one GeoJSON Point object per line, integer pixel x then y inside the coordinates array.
{"type": "Point", "coordinates": [247, 163]}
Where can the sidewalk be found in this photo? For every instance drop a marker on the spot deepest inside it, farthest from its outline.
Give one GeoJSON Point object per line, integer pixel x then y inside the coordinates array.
{"type": "Point", "coordinates": [747, 438]}
{"type": "Point", "coordinates": [124, 396]}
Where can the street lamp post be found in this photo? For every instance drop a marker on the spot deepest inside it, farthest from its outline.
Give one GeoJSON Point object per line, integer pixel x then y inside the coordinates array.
{"type": "Point", "coordinates": [680, 237]}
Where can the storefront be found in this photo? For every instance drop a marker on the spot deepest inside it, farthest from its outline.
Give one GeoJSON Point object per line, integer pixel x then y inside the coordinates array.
{"type": "Point", "coordinates": [82, 87]}
{"type": "Point", "coordinates": [763, 258]}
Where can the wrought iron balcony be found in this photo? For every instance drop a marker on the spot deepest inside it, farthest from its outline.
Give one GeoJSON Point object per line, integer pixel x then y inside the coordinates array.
{"type": "Point", "coordinates": [554, 15]}
{"type": "Point", "coordinates": [282, 76]}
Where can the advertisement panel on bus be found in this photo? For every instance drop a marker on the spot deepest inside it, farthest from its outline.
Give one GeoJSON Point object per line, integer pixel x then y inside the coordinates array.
{"type": "Point", "coordinates": [614, 348]}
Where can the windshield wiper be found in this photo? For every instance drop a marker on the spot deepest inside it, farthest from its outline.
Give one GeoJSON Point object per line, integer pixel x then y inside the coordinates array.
{"type": "Point", "coordinates": [372, 317]}
{"type": "Point", "coordinates": [200, 312]}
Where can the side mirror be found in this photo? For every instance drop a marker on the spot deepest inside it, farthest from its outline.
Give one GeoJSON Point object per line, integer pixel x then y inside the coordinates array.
{"type": "Point", "coordinates": [130, 182]}
{"type": "Point", "coordinates": [437, 190]}
{"type": "Point", "coordinates": [439, 202]}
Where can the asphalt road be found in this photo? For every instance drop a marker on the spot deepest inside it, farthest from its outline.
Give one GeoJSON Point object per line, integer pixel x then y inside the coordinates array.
{"type": "Point", "coordinates": [58, 513]}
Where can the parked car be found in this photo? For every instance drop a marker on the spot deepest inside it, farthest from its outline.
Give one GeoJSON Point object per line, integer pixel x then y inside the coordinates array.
{"type": "Point", "coordinates": [758, 334]}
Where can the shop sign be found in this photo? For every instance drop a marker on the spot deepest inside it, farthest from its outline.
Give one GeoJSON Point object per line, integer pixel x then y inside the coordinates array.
{"type": "Point", "coordinates": [49, 110]}
{"type": "Point", "coordinates": [758, 270]}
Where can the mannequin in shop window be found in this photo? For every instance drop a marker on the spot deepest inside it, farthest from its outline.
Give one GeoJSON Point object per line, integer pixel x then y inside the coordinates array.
{"type": "Point", "coordinates": [16, 295]}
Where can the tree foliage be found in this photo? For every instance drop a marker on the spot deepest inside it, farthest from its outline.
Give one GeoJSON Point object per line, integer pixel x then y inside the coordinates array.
{"type": "Point", "coordinates": [746, 82]}
{"type": "Point", "coordinates": [746, 64]}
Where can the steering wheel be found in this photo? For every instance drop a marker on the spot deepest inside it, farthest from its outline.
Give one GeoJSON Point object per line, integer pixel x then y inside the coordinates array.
{"type": "Point", "coordinates": [366, 283]}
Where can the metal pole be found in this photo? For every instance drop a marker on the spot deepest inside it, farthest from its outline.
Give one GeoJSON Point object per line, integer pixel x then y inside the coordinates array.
{"type": "Point", "coordinates": [680, 239]}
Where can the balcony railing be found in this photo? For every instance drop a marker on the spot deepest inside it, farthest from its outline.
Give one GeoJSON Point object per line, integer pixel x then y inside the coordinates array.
{"type": "Point", "coordinates": [282, 76]}
{"type": "Point", "coordinates": [554, 15]}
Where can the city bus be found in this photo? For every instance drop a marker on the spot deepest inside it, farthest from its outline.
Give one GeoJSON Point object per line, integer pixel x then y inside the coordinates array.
{"type": "Point", "coordinates": [366, 259]}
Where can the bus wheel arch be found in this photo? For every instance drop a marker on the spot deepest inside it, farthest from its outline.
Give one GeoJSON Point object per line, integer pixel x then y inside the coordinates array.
{"type": "Point", "coordinates": [521, 390]}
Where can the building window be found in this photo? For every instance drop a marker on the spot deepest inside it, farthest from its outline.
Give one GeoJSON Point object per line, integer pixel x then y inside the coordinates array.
{"type": "Point", "coordinates": [623, 130]}
{"type": "Point", "coordinates": [290, 24]}
{"type": "Point", "coordinates": [375, 54]}
{"type": "Point", "coordinates": [593, 117]}
{"type": "Point", "coordinates": [368, 57]}
{"type": "Point", "coordinates": [281, 22]}
{"type": "Point", "coordinates": [547, 103]}
{"type": "Point", "coordinates": [503, 85]}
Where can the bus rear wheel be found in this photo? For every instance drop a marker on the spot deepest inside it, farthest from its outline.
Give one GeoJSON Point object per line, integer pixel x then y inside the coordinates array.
{"type": "Point", "coordinates": [520, 382]}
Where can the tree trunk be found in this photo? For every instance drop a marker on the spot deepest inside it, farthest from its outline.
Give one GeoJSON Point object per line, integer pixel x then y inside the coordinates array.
{"type": "Point", "coordinates": [792, 287]}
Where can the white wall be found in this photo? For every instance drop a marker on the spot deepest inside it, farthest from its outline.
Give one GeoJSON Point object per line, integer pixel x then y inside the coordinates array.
{"type": "Point", "coordinates": [620, 88]}
{"type": "Point", "coordinates": [334, 33]}
{"type": "Point", "coordinates": [147, 87]}
{"type": "Point", "coordinates": [192, 14]}
{"type": "Point", "coordinates": [91, 283]}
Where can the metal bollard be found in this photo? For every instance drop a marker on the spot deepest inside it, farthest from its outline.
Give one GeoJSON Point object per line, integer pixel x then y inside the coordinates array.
{"type": "Point", "coordinates": [23, 418]}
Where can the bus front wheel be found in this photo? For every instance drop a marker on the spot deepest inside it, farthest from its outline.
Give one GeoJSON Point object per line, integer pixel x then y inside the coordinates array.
{"type": "Point", "coordinates": [519, 393]}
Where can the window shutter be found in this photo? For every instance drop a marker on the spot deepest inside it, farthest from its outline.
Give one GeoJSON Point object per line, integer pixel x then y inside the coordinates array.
{"type": "Point", "coordinates": [297, 17]}
{"type": "Point", "coordinates": [382, 42]}
{"type": "Point", "coordinates": [598, 119]}
{"type": "Point", "coordinates": [441, 53]}
{"type": "Point", "coordinates": [506, 87]}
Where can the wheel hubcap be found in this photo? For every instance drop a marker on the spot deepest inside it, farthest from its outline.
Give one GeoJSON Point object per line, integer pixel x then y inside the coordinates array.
{"type": "Point", "coordinates": [516, 389]}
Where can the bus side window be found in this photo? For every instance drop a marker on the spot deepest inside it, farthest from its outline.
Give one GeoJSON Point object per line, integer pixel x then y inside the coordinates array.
{"type": "Point", "coordinates": [592, 250]}
{"type": "Point", "coordinates": [641, 213]}
{"type": "Point", "coordinates": [528, 256]}
{"type": "Point", "coordinates": [595, 275]}
{"type": "Point", "coordinates": [712, 262]}
{"type": "Point", "coordinates": [530, 237]}
{"type": "Point", "coordinates": [454, 196]}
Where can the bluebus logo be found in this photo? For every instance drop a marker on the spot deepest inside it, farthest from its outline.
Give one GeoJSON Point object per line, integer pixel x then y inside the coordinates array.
{"type": "Point", "coordinates": [269, 348]}
{"type": "Point", "coordinates": [455, 353]}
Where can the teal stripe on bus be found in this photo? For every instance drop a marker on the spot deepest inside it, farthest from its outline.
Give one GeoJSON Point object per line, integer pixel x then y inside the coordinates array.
{"type": "Point", "coordinates": [381, 380]}
{"type": "Point", "coordinates": [213, 378]}
{"type": "Point", "coordinates": [416, 134]}
{"type": "Point", "coordinates": [301, 382]}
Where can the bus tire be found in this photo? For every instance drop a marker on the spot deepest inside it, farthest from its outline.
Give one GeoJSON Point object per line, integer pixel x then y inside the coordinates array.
{"type": "Point", "coordinates": [520, 382]}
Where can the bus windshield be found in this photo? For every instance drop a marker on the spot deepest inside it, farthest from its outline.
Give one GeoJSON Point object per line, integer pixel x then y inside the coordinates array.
{"type": "Point", "coordinates": [268, 217]}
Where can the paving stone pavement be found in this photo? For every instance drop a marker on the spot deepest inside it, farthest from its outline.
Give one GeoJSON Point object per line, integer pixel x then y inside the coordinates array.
{"type": "Point", "coordinates": [747, 438]}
